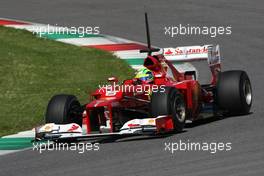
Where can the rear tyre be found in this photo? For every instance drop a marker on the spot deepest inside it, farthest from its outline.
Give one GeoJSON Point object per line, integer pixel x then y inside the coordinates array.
{"type": "Point", "coordinates": [63, 109]}
{"type": "Point", "coordinates": [234, 93]}
{"type": "Point", "coordinates": [169, 101]}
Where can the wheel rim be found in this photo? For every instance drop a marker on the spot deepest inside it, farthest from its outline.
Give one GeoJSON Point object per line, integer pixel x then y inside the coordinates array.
{"type": "Point", "coordinates": [247, 92]}
{"type": "Point", "coordinates": [179, 107]}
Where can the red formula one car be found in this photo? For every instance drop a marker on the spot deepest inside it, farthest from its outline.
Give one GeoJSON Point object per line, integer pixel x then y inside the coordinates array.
{"type": "Point", "coordinates": [162, 105]}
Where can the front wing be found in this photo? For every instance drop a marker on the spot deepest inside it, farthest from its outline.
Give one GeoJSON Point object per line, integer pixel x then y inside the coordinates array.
{"type": "Point", "coordinates": [73, 132]}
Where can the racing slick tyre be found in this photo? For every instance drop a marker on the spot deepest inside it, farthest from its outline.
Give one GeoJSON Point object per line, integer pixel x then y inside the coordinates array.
{"type": "Point", "coordinates": [169, 101]}
{"type": "Point", "coordinates": [63, 109]}
{"type": "Point", "coordinates": [234, 93]}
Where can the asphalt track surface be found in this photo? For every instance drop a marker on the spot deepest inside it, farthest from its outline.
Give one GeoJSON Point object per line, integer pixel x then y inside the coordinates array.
{"type": "Point", "coordinates": [124, 18]}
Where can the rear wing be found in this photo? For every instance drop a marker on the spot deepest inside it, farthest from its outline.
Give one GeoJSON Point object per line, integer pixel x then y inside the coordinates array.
{"type": "Point", "coordinates": [193, 53]}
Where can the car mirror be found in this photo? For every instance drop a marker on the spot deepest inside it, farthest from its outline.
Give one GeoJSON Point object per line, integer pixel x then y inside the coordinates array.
{"type": "Point", "coordinates": [112, 79]}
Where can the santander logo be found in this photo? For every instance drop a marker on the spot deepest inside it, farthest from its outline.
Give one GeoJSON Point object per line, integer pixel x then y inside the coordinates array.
{"type": "Point", "coordinates": [168, 52]}
{"type": "Point", "coordinates": [73, 128]}
{"type": "Point", "coordinates": [185, 50]}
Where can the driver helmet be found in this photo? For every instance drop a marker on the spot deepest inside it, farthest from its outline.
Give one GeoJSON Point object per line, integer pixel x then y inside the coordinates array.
{"type": "Point", "coordinates": [145, 75]}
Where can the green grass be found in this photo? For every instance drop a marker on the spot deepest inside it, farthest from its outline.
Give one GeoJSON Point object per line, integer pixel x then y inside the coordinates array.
{"type": "Point", "coordinates": [32, 70]}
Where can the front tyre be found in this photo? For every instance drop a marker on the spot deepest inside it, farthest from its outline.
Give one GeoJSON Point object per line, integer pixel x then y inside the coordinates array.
{"type": "Point", "coordinates": [234, 92]}
{"type": "Point", "coordinates": [169, 101]}
{"type": "Point", "coordinates": [64, 109]}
